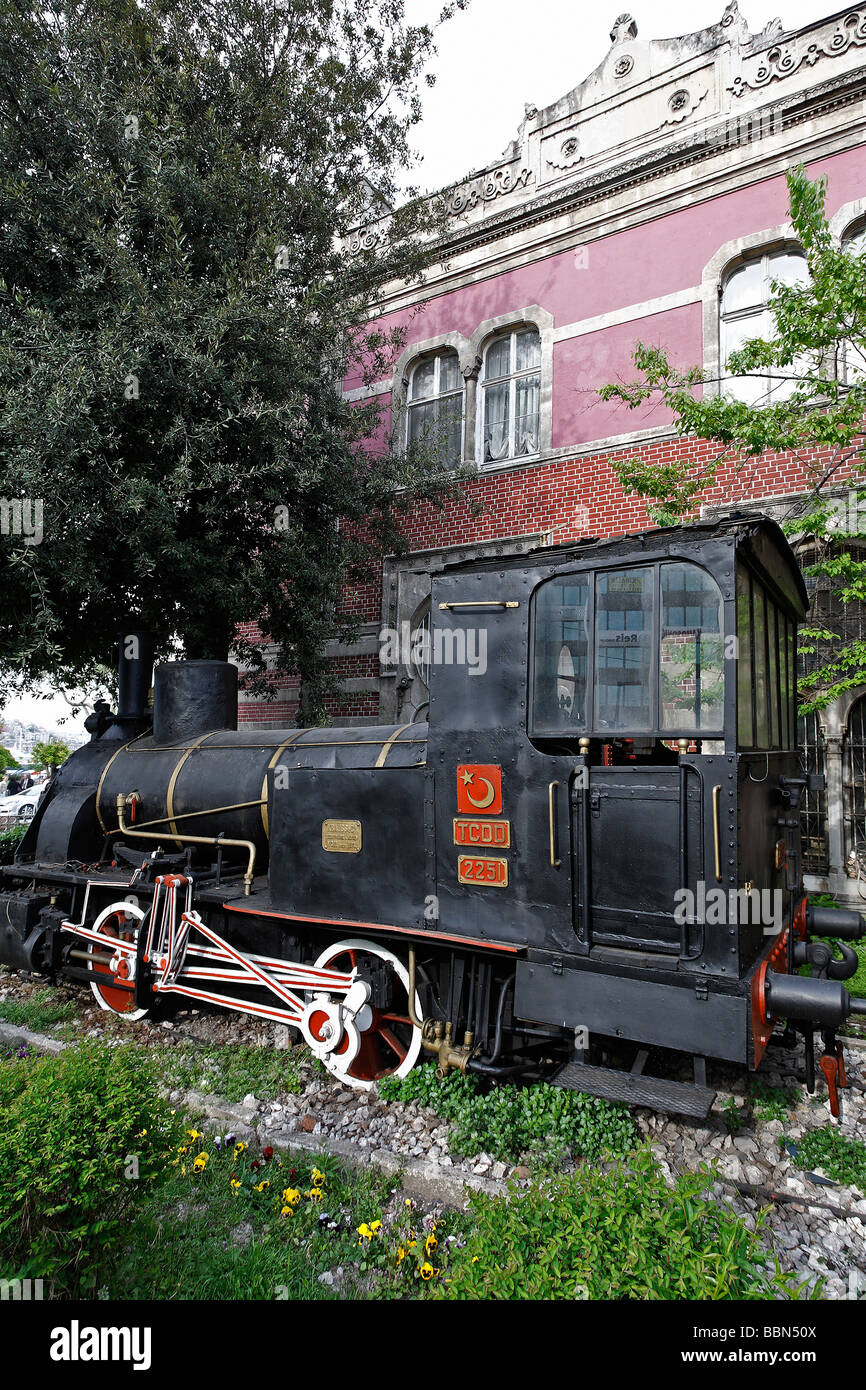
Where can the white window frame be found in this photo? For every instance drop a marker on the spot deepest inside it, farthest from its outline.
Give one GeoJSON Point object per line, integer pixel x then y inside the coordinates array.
{"type": "Point", "coordinates": [512, 378]}
{"type": "Point", "coordinates": [849, 372]}
{"type": "Point", "coordinates": [765, 256]}
{"type": "Point", "coordinates": [438, 396]}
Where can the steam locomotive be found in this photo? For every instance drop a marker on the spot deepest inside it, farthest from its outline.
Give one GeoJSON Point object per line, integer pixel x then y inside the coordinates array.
{"type": "Point", "coordinates": [589, 854]}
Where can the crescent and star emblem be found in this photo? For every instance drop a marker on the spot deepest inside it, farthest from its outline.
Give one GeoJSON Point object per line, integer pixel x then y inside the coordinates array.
{"type": "Point", "coordinates": [479, 788]}
{"type": "Point", "coordinates": [488, 796]}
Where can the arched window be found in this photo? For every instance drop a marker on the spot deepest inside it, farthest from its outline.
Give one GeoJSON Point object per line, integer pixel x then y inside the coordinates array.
{"type": "Point", "coordinates": [511, 396]}
{"type": "Point", "coordinates": [852, 365]}
{"type": "Point", "coordinates": [745, 314]}
{"type": "Point", "coordinates": [435, 406]}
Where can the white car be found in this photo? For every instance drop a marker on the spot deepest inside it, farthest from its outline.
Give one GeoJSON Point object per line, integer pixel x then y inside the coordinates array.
{"type": "Point", "coordinates": [23, 805]}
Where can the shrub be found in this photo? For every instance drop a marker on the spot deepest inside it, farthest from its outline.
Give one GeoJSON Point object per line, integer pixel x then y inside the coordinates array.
{"type": "Point", "coordinates": [75, 1129]}
{"type": "Point", "coordinates": [9, 842]}
{"type": "Point", "coordinates": [842, 1159]}
{"type": "Point", "coordinates": [612, 1235]}
{"type": "Point", "coordinates": [509, 1121]}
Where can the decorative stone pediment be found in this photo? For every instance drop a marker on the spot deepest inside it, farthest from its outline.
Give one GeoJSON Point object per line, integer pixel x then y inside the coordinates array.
{"type": "Point", "coordinates": [713, 89]}
{"type": "Point", "coordinates": [648, 92]}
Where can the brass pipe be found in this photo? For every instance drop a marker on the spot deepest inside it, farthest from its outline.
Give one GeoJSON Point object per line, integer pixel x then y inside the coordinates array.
{"type": "Point", "coordinates": [717, 791]}
{"type": "Point", "coordinates": [551, 813]}
{"type": "Point", "coordinates": [437, 1036]}
{"type": "Point", "coordinates": [211, 811]}
{"type": "Point", "coordinates": [124, 799]}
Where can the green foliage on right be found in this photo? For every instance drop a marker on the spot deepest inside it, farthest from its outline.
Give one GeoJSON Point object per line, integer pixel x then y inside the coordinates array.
{"type": "Point", "coordinates": [622, 1234]}
{"type": "Point", "coordinates": [843, 1159]}
{"type": "Point", "coordinates": [510, 1121]}
{"type": "Point", "coordinates": [819, 348]}
{"type": "Point", "coordinates": [68, 1126]}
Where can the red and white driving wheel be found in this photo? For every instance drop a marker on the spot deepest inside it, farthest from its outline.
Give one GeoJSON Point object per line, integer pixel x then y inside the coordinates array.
{"type": "Point", "coordinates": [389, 1041]}
{"type": "Point", "coordinates": [119, 922]}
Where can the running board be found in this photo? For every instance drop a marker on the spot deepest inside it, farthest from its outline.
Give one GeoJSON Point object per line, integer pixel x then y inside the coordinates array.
{"type": "Point", "coordinates": [673, 1096]}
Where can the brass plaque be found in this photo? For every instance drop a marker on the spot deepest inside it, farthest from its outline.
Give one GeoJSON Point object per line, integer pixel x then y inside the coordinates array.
{"type": "Point", "coordinates": [482, 870]}
{"type": "Point", "coordinates": [341, 836]}
{"type": "Point", "coordinates": [494, 834]}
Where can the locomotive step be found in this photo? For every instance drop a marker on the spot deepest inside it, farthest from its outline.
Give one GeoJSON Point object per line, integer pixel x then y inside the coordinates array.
{"type": "Point", "coordinates": [673, 1096]}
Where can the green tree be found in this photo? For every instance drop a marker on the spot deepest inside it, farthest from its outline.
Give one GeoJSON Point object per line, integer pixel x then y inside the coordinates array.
{"type": "Point", "coordinates": [819, 349]}
{"type": "Point", "coordinates": [50, 754]}
{"type": "Point", "coordinates": [7, 760]}
{"type": "Point", "coordinates": [179, 300]}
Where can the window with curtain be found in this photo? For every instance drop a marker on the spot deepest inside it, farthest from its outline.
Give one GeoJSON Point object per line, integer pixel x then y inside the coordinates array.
{"type": "Point", "coordinates": [745, 314]}
{"type": "Point", "coordinates": [435, 406]}
{"type": "Point", "coordinates": [852, 366]}
{"type": "Point", "coordinates": [511, 396]}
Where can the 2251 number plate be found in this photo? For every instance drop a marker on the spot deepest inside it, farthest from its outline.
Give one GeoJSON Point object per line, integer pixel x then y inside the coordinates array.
{"type": "Point", "coordinates": [482, 870]}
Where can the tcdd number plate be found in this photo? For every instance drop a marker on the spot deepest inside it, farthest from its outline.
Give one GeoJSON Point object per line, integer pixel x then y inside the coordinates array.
{"type": "Point", "coordinates": [484, 870]}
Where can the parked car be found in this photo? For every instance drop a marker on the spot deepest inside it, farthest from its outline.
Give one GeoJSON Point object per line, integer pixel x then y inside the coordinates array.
{"type": "Point", "coordinates": [22, 805]}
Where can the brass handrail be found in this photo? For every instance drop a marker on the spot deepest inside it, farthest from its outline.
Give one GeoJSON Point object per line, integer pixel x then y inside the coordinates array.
{"type": "Point", "coordinates": [127, 798]}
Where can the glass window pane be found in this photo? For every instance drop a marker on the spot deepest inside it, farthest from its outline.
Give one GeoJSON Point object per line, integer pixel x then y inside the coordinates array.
{"type": "Point", "coordinates": [745, 732]}
{"type": "Point", "coordinates": [691, 651]}
{"type": "Point", "coordinates": [560, 647]}
{"type": "Point", "coordinates": [421, 422]}
{"type": "Point", "coordinates": [623, 651]}
{"type": "Point", "coordinates": [528, 351]}
{"type": "Point", "coordinates": [449, 372]}
{"type": "Point", "coordinates": [451, 429]}
{"type": "Point", "coordinates": [759, 657]}
{"type": "Point", "coordinates": [735, 333]}
{"type": "Point", "coordinates": [526, 410]}
{"type": "Point", "coordinates": [496, 422]}
{"type": "Point", "coordinates": [498, 362]}
{"type": "Point", "coordinates": [789, 267]}
{"type": "Point", "coordinates": [744, 288]}
{"type": "Point", "coordinates": [422, 379]}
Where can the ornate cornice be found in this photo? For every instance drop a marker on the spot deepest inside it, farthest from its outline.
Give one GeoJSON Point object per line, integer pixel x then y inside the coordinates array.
{"type": "Point", "coordinates": [679, 154]}
{"type": "Point", "coordinates": [785, 58]}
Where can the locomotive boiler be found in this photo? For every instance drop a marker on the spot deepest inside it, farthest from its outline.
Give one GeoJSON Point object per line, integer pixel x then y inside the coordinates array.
{"type": "Point", "coordinates": [591, 853]}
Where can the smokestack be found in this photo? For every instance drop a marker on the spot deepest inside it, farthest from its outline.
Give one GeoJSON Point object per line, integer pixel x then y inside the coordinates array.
{"type": "Point", "coordinates": [134, 671]}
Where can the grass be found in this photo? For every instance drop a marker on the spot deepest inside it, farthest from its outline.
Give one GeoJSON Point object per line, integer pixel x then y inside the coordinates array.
{"type": "Point", "coordinates": [772, 1102]}
{"type": "Point", "coordinates": [196, 1236]}
{"type": "Point", "coordinates": [841, 1158]}
{"type": "Point", "coordinates": [131, 1202]}
{"type": "Point", "coordinates": [508, 1122]}
{"type": "Point", "coordinates": [44, 1008]}
{"type": "Point", "coordinates": [618, 1234]}
{"type": "Point", "coordinates": [233, 1071]}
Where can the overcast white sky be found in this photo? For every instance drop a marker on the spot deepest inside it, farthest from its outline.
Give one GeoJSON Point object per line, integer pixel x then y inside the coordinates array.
{"type": "Point", "coordinates": [493, 58]}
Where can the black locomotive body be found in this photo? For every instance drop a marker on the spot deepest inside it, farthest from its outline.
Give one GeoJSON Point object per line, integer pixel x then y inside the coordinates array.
{"type": "Point", "coordinates": [592, 850]}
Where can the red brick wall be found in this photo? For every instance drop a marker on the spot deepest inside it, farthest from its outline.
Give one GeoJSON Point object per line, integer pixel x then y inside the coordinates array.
{"type": "Point", "coordinates": [570, 498]}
